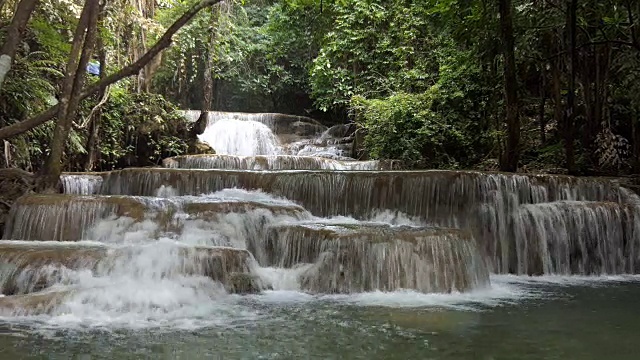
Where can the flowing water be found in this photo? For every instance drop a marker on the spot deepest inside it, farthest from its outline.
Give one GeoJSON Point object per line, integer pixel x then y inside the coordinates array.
{"type": "Point", "coordinates": [261, 252]}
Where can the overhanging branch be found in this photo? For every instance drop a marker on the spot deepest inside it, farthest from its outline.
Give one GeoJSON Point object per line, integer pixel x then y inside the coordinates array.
{"type": "Point", "coordinates": [132, 69]}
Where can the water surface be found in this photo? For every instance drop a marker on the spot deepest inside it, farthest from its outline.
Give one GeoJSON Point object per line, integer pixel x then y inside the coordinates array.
{"type": "Point", "coordinates": [520, 318]}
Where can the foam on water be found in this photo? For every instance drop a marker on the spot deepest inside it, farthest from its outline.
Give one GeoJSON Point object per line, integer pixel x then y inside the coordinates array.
{"type": "Point", "coordinates": [504, 290]}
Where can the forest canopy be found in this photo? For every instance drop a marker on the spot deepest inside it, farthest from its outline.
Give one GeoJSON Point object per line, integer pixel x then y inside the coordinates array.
{"type": "Point", "coordinates": [529, 85]}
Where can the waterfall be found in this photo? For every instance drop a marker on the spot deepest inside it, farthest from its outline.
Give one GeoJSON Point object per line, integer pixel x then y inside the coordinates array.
{"type": "Point", "coordinates": [577, 237]}
{"type": "Point", "coordinates": [252, 134]}
{"type": "Point", "coordinates": [273, 162]}
{"type": "Point", "coordinates": [227, 218]}
{"type": "Point", "coordinates": [81, 184]}
{"type": "Point", "coordinates": [281, 206]}
{"type": "Point", "coordinates": [481, 202]}
{"type": "Point", "coordinates": [359, 257]}
{"type": "Point", "coordinates": [236, 137]}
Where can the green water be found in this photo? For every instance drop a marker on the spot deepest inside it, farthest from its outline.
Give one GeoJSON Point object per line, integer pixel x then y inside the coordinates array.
{"type": "Point", "coordinates": [584, 321]}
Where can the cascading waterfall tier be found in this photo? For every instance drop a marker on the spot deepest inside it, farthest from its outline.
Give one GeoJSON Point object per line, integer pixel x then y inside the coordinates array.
{"type": "Point", "coordinates": [65, 217]}
{"type": "Point", "coordinates": [241, 138]}
{"type": "Point", "coordinates": [270, 133]}
{"type": "Point", "coordinates": [272, 162]}
{"type": "Point", "coordinates": [215, 220]}
{"type": "Point", "coordinates": [359, 257]}
{"type": "Point", "coordinates": [577, 237]}
{"type": "Point", "coordinates": [81, 184]}
{"type": "Point", "coordinates": [32, 266]}
{"type": "Point", "coordinates": [278, 123]}
{"type": "Point", "coordinates": [484, 203]}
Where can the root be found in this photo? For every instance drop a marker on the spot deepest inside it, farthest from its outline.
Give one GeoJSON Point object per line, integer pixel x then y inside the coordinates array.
{"type": "Point", "coordinates": [14, 183]}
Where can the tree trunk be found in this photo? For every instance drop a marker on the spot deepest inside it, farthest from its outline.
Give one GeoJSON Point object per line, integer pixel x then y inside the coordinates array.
{"type": "Point", "coordinates": [510, 159]}
{"type": "Point", "coordinates": [94, 128]}
{"type": "Point", "coordinates": [542, 122]}
{"type": "Point", "coordinates": [556, 82]}
{"type": "Point", "coordinates": [207, 81]}
{"type": "Point", "coordinates": [14, 36]}
{"type": "Point", "coordinates": [81, 50]}
{"type": "Point", "coordinates": [635, 129]}
{"type": "Point", "coordinates": [133, 69]}
{"type": "Point", "coordinates": [208, 68]}
{"type": "Point", "coordinates": [569, 117]}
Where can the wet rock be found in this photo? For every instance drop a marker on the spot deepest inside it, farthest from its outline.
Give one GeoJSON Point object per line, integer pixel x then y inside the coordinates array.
{"type": "Point", "coordinates": [32, 304]}
{"type": "Point", "coordinates": [202, 148]}
{"type": "Point", "coordinates": [244, 283]}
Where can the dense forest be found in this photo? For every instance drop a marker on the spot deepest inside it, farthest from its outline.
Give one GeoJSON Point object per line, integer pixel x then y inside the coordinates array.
{"type": "Point", "coordinates": [528, 85]}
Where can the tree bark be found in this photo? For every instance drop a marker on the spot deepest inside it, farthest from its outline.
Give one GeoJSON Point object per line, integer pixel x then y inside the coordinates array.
{"type": "Point", "coordinates": [542, 122]}
{"type": "Point", "coordinates": [510, 160]}
{"type": "Point", "coordinates": [635, 130]}
{"type": "Point", "coordinates": [207, 82]}
{"type": "Point", "coordinates": [569, 117]}
{"type": "Point", "coordinates": [14, 36]}
{"type": "Point", "coordinates": [208, 68]}
{"type": "Point", "coordinates": [94, 128]}
{"type": "Point", "coordinates": [81, 50]}
{"type": "Point", "coordinates": [132, 69]}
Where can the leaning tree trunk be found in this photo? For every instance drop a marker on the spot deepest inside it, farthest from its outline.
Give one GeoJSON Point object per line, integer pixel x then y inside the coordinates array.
{"type": "Point", "coordinates": [14, 36]}
{"type": "Point", "coordinates": [207, 81]}
{"type": "Point", "coordinates": [132, 69]}
{"type": "Point", "coordinates": [510, 160]}
{"type": "Point", "coordinates": [93, 142]}
{"type": "Point", "coordinates": [81, 50]}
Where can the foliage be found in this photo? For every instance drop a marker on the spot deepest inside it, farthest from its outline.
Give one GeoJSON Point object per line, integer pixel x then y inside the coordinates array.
{"type": "Point", "coordinates": [140, 130]}
{"type": "Point", "coordinates": [441, 127]}
{"type": "Point", "coordinates": [263, 52]}
{"type": "Point", "coordinates": [424, 79]}
{"type": "Point", "coordinates": [374, 49]}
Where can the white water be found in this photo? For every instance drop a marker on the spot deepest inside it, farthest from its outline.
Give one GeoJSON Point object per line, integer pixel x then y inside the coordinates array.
{"type": "Point", "coordinates": [156, 285]}
{"type": "Point", "coordinates": [148, 290]}
{"type": "Point", "coordinates": [251, 134]}
{"type": "Point", "coordinates": [150, 286]}
{"type": "Point", "coordinates": [237, 137]}
{"type": "Point", "coordinates": [81, 184]}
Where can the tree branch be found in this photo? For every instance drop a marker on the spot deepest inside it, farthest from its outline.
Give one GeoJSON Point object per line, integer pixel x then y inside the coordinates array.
{"type": "Point", "coordinates": [132, 69]}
